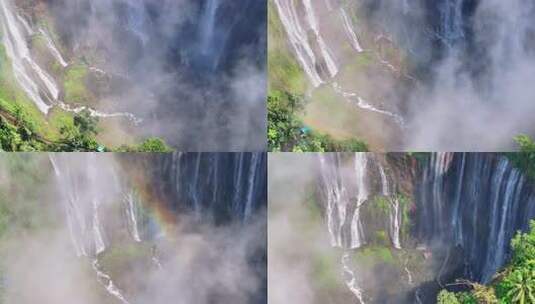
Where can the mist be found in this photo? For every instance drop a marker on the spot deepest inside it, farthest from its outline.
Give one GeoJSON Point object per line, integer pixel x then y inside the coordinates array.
{"type": "Point", "coordinates": [92, 234]}
{"type": "Point", "coordinates": [475, 59]}
{"type": "Point", "coordinates": [414, 75]}
{"type": "Point", "coordinates": [178, 66]}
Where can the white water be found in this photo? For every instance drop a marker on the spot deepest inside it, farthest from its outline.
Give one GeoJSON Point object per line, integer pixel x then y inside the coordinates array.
{"type": "Point", "coordinates": [409, 275]}
{"type": "Point", "coordinates": [310, 16]}
{"type": "Point", "coordinates": [30, 77]}
{"type": "Point", "coordinates": [74, 203]}
{"type": "Point", "coordinates": [362, 104]}
{"type": "Point", "coordinates": [384, 180]}
{"type": "Point", "coordinates": [27, 27]}
{"type": "Point", "coordinates": [132, 216]}
{"type": "Point", "coordinates": [107, 282]}
{"type": "Point", "coordinates": [208, 24]}
{"type": "Point", "coordinates": [250, 186]}
{"type": "Point", "coordinates": [237, 181]}
{"type": "Point", "coordinates": [134, 119]}
{"type": "Point", "coordinates": [395, 216]}
{"type": "Point", "coordinates": [357, 235]}
{"type": "Point", "coordinates": [351, 280]}
{"type": "Point", "coordinates": [455, 213]}
{"type": "Point", "coordinates": [196, 202]}
{"type": "Point", "coordinates": [500, 200]}
{"type": "Point", "coordinates": [297, 36]}
{"type": "Point", "coordinates": [53, 49]}
{"type": "Point", "coordinates": [36, 83]}
{"type": "Point", "coordinates": [351, 35]}
{"type": "Point", "coordinates": [97, 232]}
{"type": "Point", "coordinates": [335, 194]}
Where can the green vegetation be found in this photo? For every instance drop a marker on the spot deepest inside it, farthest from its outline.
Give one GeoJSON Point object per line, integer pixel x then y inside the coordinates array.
{"type": "Point", "coordinates": [446, 297]}
{"type": "Point", "coordinates": [284, 71]}
{"type": "Point", "coordinates": [513, 285]}
{"type": "Point", "coordinates": [287, 86]}
{"type": "Point", "coordinates": [152, 144]}
{"type": "Point", "coordinates": [74, 85]}
{"type": "Point", "coordinates": [525, 159]}
{"type": "Point", "coordinates": [287, 133]}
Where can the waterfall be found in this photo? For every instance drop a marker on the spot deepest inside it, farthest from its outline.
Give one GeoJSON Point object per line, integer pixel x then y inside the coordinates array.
{"type": "Point", "coordinates": [345, 195]}
{"type": "Point", "coordinates": [231, 183]}
{"type": "Point", "coordinates": [473, 201]}
{"type": "Point", "coordinates": [297, 29]}
{"type": "Point", "coordinates": [349, 31]}
{"type": "Point", "coordinates": [131, 213]}
{"type": "Point", "coordinates": [357, 235]}
{"type": "Point", "coordinates": [249, 202]}
{"type": "Point", "coordinates": [310, 16]}
{"type": "Point", "coordinates": [353, 98]}
{"type": "Point", "coordinates": [297, 36]}
{"type": "Point", "coordinates": [351, 280]}
{"type": "Point", "coordinates": [384, 180]}
{"type": "Point", "coordinates": [395, 216]}
{"type": "Point", "coordinates": [476, 201]}
{"type": "Point", "coordinates": [33, 80]}
{"type": "Point", "coordinates": [53, 49]}
{"type": "Point", "coordinates": [207, 25]}
{"type": "Point", "coordinates": [97, 230]}
{"type": "Point", "coordinates": [451, 21]}
{"type": "Point", "coordinates": [335, 194]}
{"type": "Point", "coordinates": [106, 281]}
{"type": "Point", "coordinates": [81, 200]}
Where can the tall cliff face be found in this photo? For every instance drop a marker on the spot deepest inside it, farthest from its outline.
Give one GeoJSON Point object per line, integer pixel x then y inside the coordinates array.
{"type": "Point", "coordinates": [454, 212]}
{"type": "Point", "coordinates": [435, 66]}
{"type": "Point", "coordinates": [476, 202]}
{"type": "Point", "coordinates": [223, 186]}
{"type": "Point", "coordinates": [151, 211]}
{"type": "Point", "coordinates": [192, 72]}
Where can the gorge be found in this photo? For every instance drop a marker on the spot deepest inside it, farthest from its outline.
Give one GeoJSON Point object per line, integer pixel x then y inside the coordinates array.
{"type": "Point", "coordinates": [111, 232]}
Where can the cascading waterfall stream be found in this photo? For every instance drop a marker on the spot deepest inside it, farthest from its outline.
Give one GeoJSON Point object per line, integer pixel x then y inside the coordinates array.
{"type": "Point", "coordinates": [357, 235]}
{"type": "Point", "coordinates": [297, 35]}
{"type": "Point", "coordinates": [473, 201]}
{"type": "Point", "coordinates": [131, 213]}
{"type": "Point", "coordinates": [52, 47]}
{"type": "Point", "coordinates": [36, 83]}
{"type": "Point", "coordinates": [339, 203]}
{"type": "Point", "coordinates": [297, 29]}
{"type": "Point", "coordinates": [470, 201]}
{"type": "Point", "coordinates": [85, 236]}
{"type": "Point", "coordinates": [351, 35]}
{"type": "Point", "coordinates": [326, 53]}
{"type": "Point", "coordinates": [31, 78]}
{"type": "Point", "coordinates": [355, 99]}
{"type": "Point", "coordinates": [350, 279]}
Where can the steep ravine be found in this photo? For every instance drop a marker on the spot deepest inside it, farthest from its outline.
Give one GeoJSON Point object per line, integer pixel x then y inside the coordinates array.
{"type": "Point", "coordinates": [411, 224]}
{"type": "Point", "coordinates": [137, 228]}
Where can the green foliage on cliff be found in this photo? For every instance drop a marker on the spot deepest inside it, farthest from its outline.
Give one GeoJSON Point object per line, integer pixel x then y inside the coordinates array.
{"type": "Point", "coordinates": [152, 144]}
{"type": "Point", "coordinates": [513, 285]}
{"type": "Point", "coordinates": [287, 133]}
{"type": "Point", "coordinates": [284, 71]}
{"type": "Point", "coordinates": [446, 297]}
{"type": "Point", "coordinates": [287, 86]}
{"type": "Point", "coordinates": [525, 158]}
